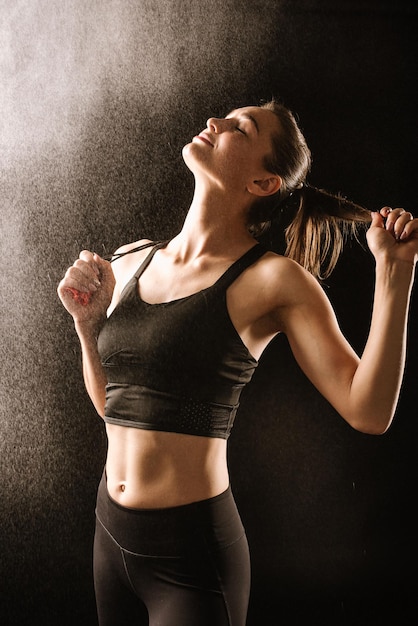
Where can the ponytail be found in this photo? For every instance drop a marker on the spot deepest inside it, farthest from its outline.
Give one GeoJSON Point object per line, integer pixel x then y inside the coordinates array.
{"type": "Point", "coordinates": [316, 235]}
{"type": "Point", "coordinates": [322, 221]}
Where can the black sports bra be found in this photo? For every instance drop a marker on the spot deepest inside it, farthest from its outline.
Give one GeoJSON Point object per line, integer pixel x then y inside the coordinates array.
{"type": "Point", "coordinates": [178, 366]}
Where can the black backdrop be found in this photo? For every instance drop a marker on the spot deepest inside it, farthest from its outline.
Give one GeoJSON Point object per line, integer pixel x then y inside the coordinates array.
{"type": "Point", "coordinates": [97, 99]}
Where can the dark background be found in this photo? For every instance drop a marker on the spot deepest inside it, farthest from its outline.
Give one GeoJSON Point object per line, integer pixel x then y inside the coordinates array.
{"type": "Point", "coordinates": [97, 99]}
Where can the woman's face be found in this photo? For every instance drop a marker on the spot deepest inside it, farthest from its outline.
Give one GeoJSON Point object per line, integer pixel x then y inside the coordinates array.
{"type": "Point", "coordinates": [230, 151]}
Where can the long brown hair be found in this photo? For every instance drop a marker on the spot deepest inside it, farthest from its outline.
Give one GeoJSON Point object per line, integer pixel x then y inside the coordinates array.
{"type": "Point", "coordinates": [322, 220]}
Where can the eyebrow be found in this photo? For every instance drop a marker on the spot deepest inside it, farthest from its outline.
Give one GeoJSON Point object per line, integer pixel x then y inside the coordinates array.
{"type": "Point", "coordinates": [252, 119]}
{"type": "Point", "coordinates": [249, 117]}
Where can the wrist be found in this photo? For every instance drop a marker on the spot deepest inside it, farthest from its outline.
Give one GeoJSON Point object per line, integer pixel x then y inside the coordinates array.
{"type": "Point", "coordinates": [89, 328]}
{"type": "Point", "coordinates": [395, 273]}
{"type": "Point", "coordinates": [394, 264]}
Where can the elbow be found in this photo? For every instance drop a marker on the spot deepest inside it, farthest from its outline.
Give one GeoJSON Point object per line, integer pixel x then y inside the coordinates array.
{"type": "Point", "coordinates": [99, 405]}
{"type": "Point", "coordinates": [374, 430]}
{"type": "Point", "coordinates": [100, 410]}
{"type": "Point", "coordinates": [98, 399]}
{"type": "Point", "coordinates": [371, 425]}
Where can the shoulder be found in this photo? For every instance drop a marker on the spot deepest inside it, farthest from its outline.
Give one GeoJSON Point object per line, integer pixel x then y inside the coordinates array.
{"type": "Point", "coordinates": [295, 299]}
{"type": "Point", "coordinates": [125, 266]}
{"type": "Point", "coordinates": [273, 295]}
{"type": "Point", "coordinates": [272, 289]}
{"type": "Point", "coordinates": [126, 248]}
{"type": "Point", "coordinates": [127, 256]}
{"type": "Point", "coordinates": [285, 280]}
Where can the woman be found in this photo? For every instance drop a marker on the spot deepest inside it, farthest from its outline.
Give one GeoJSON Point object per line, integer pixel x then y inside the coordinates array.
{"type": "Point", "coordinates": [172, 332]}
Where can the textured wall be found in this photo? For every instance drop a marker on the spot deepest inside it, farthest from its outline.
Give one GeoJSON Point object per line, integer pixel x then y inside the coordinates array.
{"type": "Point", "coordinates": [96, 100]}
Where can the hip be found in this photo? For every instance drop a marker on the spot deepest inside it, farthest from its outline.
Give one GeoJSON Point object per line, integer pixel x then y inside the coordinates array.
{"type": "Point", "coordinates": [168, 530]}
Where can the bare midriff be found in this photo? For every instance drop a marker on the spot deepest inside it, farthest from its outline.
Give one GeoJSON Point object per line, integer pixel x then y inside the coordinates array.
{"type": "Point", "coordinates": [152, 469]}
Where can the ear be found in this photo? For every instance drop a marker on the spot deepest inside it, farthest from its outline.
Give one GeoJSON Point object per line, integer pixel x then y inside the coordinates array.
{"type": "Point", "coordinates": [265, 186]}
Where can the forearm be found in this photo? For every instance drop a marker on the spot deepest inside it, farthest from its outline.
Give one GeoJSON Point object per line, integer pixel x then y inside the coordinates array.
{"type": "Point", "coordinates": [377, 381]}
{"type": "Point", "coordinates": [93, 373]}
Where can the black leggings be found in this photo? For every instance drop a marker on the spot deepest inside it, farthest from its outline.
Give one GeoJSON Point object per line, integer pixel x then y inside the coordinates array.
{"type": "Point", "coordinates": [181, 566]}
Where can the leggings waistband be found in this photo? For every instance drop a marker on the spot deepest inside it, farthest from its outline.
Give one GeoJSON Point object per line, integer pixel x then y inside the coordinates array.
{"type": "Point", "coordinates": [167, 530]}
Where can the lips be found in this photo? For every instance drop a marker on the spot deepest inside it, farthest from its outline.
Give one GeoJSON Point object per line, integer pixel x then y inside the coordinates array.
{"type": "Point", "coordinates": [204, 139]}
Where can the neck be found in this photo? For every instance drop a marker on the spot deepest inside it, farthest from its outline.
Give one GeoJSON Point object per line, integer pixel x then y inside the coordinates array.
{"type": "Point", "coordinates": [216, 224]}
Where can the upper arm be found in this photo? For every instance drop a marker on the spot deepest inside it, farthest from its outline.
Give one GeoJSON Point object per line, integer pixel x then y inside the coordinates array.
{"type": "Point", "coordinates": [317, 343]}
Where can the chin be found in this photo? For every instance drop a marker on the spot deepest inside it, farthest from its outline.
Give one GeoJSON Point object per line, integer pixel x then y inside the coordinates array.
{"type": "Point", "coordinates": [185, 153]}
{"type": "Point", "coordinates": [186, 149]}
{"type": "Point", "coordinates": [191, 156]}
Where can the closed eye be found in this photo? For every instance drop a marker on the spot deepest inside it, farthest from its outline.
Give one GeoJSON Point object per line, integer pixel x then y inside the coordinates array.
{"type": "Point", "coordinates": [237, 126]}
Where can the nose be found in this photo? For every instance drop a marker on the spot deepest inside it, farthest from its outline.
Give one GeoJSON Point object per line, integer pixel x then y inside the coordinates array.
{"type": "Point", "coordinates": [214, 124]}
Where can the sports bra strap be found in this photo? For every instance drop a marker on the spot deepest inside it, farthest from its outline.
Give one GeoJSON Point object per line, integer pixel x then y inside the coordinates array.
{"type": "Point", "coordinates": [149, 257]}
{"type": "Point", "coordinates": [241, 264]}
{"type": "Point", "coordinates": [227, 277]}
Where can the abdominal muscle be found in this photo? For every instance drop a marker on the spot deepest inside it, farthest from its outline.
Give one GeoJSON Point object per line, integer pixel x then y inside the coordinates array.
{"type": "Point", "coordinates": [152, 469]}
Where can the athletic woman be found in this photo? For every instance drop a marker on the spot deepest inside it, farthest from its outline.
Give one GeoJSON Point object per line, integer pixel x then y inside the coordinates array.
{"type": "Point", "coordinates": [172, 331]}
